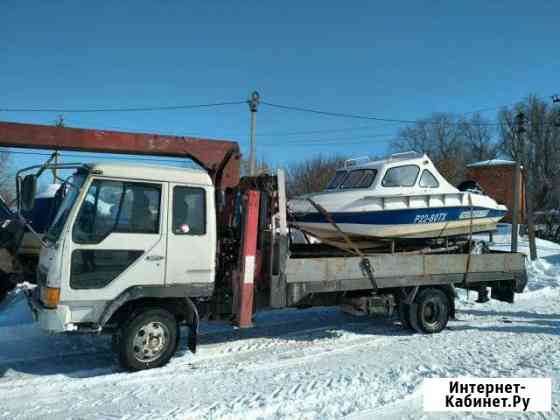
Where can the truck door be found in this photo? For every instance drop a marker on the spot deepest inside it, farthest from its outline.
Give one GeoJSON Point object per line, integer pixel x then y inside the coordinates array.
{"type": "Point", "coordinates": [117, 241]}
{"type": "Point", "coordinates": [191, 241]}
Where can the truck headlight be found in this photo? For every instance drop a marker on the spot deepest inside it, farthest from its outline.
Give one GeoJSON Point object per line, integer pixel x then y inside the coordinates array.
{"type": "Point", "coordinates": [50, 296]}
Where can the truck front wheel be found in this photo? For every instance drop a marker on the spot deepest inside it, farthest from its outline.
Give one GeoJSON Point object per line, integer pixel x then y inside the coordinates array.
{"type": "Point", "coordinates": [148, 339]}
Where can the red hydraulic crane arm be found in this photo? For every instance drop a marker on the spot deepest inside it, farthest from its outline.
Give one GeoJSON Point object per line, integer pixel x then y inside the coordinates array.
{"type": "Point", "coordinates": [220, 158]}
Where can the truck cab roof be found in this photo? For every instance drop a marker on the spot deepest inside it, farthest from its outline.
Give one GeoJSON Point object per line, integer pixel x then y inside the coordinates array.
{"type": "Point", "coordinates": [151, 172]}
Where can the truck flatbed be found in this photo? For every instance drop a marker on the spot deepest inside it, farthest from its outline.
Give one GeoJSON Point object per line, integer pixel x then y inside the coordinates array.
{"type": "Point", "coordinates": [393, 270]}
{"type": "Point", "coordinates": [303, 277]}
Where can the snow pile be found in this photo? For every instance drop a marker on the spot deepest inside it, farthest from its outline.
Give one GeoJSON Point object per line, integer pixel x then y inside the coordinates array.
{"type": "Point", "coordinates": [501, 241]}
{"type": "Point", "coordinates": [542, 275]}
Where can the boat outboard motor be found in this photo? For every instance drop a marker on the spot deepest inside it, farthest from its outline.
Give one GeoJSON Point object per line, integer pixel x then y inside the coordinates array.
{"type": "Point", "coordinates": [471, 186]}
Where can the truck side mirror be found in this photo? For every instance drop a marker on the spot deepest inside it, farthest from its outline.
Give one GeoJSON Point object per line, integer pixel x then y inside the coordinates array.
{"type": "Point", "coordinates": [28, 191]}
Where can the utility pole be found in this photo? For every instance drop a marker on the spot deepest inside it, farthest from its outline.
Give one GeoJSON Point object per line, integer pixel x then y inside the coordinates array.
{"type": "Point", "coordinates": [520, 126]}
{"type": "Point", "coordinates": [59, 123]}
{"type": "Point", "coordinates": [253, 105]}
{"type": "Point", "coordinates": [516, 200]}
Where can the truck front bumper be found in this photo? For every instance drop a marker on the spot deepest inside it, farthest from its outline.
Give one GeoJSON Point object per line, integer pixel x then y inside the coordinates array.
{"type": "Point", "coordinates": [50, 320]}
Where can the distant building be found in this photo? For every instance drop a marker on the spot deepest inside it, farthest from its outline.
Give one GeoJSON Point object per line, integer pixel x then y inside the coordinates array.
{"type": "Point", "coordinates": [496, 178]}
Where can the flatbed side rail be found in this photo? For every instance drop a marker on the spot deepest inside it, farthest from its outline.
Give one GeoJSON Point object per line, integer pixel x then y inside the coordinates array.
{"type": "Point", "coordinates": [339, 274]}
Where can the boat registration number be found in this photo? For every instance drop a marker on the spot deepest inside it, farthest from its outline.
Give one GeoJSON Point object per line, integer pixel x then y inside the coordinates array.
{"type": "Point", "coordinates": [430, 218]}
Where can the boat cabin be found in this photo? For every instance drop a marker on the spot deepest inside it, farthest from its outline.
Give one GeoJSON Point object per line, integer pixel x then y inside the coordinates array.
{"type": "Point", "coordinates": [408, 170]}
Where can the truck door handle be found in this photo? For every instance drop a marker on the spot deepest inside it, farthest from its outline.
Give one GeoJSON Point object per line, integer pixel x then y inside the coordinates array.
{"type": "Point", "coordinates": [154, 258]}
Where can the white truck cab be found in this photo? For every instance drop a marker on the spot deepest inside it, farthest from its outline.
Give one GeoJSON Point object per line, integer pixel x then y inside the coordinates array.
{"type": "Point", "coordinates": [126, 233]}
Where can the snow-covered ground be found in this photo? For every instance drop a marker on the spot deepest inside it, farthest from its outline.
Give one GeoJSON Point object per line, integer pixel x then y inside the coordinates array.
{"type": "Point", "coordinates": [315, 363]}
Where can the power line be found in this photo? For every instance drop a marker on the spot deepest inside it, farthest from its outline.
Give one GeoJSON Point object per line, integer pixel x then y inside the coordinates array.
{"type": "Point", "coordinates": [360, 117]}
{"type": "Point", "coordinates": [78, 124]}
{"type": "Point", "coordinates": [344, 129]}
{"type": "Point", "coordinates": [493, 108]}
{"type": "Point", "coordinates": [335, 114]}
{"type": "Point", "coordinates": [327, 130]}
{"type": "Point", "coordinates": [324, 143]}
{"type": "Point", "coordinates": [347, 129]}
{"type": "Point", "coordinates": [339, 140]}
{"type": "Point", "coordinates": [133, 109]}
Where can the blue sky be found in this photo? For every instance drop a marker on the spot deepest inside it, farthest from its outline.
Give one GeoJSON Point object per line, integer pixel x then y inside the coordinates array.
{"type": "Point", "coordinates": [398, 59]}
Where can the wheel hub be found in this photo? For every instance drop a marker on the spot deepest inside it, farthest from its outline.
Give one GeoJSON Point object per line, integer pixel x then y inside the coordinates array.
{"type": "Point", "coordinates": [431, 312]}
{"type": "Point", "coordinates": [150, 341]}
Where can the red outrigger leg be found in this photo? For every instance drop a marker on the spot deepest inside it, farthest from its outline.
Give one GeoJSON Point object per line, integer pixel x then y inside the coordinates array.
{"type": "Point", "coordinates": [247, 272]}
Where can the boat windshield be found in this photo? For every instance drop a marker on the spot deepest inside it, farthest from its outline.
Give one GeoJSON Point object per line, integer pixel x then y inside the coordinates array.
{"type": "Point", "coordinates": [74, 186]}
{"type": "Point", "coordinates": [338, 179]}
{"type": "Point", "coordinates": [360, 178]}
{"type": "Point", "coordinates": [401, 176]}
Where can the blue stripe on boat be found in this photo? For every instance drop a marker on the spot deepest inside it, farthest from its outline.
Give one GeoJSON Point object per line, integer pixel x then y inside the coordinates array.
{"type": "Point", "coordinates": [402, 217]}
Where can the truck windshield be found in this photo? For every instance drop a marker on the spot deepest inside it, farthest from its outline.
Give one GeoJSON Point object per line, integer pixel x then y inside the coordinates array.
{"type": "Point", "coordinates": [74, 185]}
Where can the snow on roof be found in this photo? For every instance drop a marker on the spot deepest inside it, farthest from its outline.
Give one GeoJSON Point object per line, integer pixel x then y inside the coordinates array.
{"type": "Point", "coordinates": [491, 162]}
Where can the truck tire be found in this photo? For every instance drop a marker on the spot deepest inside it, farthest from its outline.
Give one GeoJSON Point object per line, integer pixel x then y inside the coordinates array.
{"type": "Point", "coordinates": [147, 339]}
{"type": "Point", "coordinates": [432, 311]}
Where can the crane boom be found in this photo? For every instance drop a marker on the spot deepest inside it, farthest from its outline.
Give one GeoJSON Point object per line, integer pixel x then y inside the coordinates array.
{"type": "Point", "coordinates": [219, 157]}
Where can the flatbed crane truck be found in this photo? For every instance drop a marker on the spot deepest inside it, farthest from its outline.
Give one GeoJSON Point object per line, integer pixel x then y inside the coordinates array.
{"type": "Point", "coordinates": [136, 251]}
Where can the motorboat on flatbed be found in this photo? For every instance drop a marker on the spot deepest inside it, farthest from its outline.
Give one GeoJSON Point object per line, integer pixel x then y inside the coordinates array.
{"type": "Point", "coordinates": [401, 197]}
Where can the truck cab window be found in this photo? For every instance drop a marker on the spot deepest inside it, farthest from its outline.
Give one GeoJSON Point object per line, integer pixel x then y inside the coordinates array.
{"type": "Point", "coordinates": [189, 211]}
{"type": "Point", "coordinates": [140, 209]}
{"type": "Point", "coordinates": [114, 206]}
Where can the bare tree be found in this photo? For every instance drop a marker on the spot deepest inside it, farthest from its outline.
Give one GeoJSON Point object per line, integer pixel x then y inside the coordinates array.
{"type": "Point", "coordinates": [538, 148]}
{"type": "Point", "coordinates": [451, 142]}
{"type": "Point", "coordinates": [311, 175]}
{"type": "Point", "coordinates": [261, 167]}
{"type": "Point", "coordinates": [478, 137]}
{"type": "Point", "coordinates": [440, 137]}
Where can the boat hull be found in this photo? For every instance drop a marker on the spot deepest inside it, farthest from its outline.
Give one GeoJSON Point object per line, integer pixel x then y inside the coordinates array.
{"type": "Point", "coordinates": [406, 224]}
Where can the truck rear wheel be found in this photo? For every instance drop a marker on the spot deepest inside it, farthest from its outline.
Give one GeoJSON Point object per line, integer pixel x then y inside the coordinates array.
{"type": "Point", "coordinates": [147, 340]}
{"type": "Point", "coordinates": [432, 311]}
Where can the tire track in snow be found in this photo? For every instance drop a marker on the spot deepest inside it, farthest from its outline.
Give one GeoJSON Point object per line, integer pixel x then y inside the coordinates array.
{"type": "Point", "coordinates": [140, 378]}
{"type": "Point", "coordinates": [308, 372]}
{"type": "Point", "coordinates": [210, 354]}
{"type": "Point", "coordinates": [545, 345]}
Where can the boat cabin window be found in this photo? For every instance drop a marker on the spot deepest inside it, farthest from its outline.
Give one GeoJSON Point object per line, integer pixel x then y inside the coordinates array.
{"type": "Point", "coordinates": [401, 176]}
{"type": "Point", "coordinates": [360, 178]}
{"type": "Point", "coordinates": [338, 179]}
{"type": "Point", "coordinates": [428, 180]}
